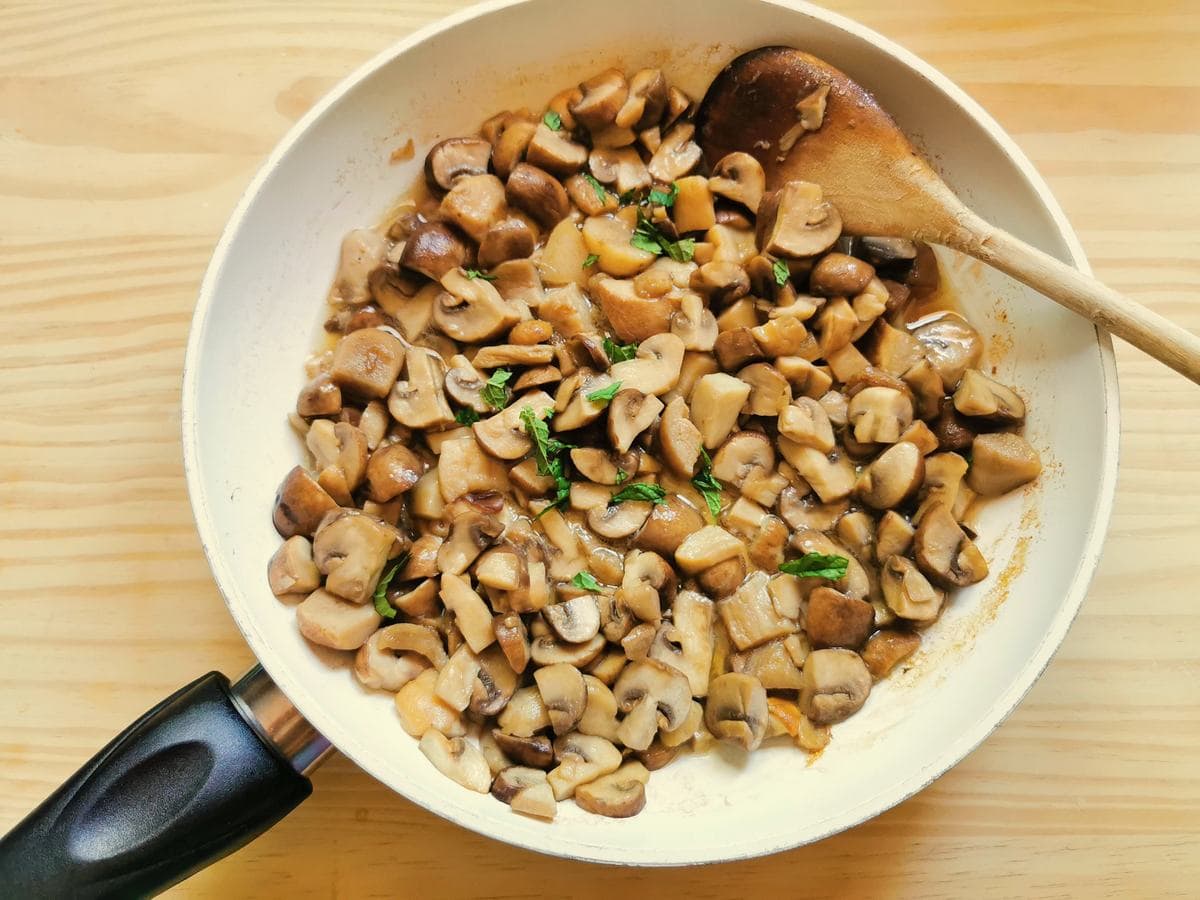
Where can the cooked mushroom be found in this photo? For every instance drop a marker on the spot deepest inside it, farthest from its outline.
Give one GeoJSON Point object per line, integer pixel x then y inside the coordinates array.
{"type": "Point", "coordinates": [420, 401]}
{"type": "Point", "coordinates": [706, 548]}
{"type": "Point", "coordinates": [836, 685]}
{"type": "Point", "coordinates": [367, 362]}
{"type": "Point", "coordinates": [458, 760]}
{"type": "Point", "coordinates": [806, 422]}
{"type": "Point", "coordinates": [1001, 462]}
{"type": "Point", "coordinates": [451, 159]}
{"type": "Point", "coordinates": [652, 695]}
{"type": "Point", "coordinates": [555, 152]}
{"type": "Point", "coordinates": [677, 155]}
{"type": "Point", "coordinates": [609, 239]}
{"type": "Point", "coordinates": [669, 524]}
{"type": "Point", "coordinates": [581, 758]}
{"type": "Point", "coordinates": [538, 193]}
{"type": "Point", "coordinates": [601, 98]}
{"type": "Point", "coordinates": [464, 468]}
{"type": "Point", "coordinates": [687, 643]}
{"type": "Point", "coordinates": [944, 552]}
{"type": "Point", "coordinates": [363, 251]}
{"type": "Point", "coordinates": [835, 620]}
{"type": "Point", "coordinates": [750, 616]}
{"type": "Point", "coordinates": [620, 167]}
{"type": "Point", "coordinates": [632, 316]}
{"type": "Point", "coordinates": [392, 471]}
{"type": "Point", "coordinates": [471, 613]}
{"type": "Point", "coordinates": [475, 203]}
{"type": "Point", "coordinates": [601, 467]}
{"type": "Point", "coordinates": [655, 369]}
{"type": "Point", "coordinates": [320, 397]}
{"type": "Point", "coordinates": [736, 710]}
{"type": "Point", "coordinates": [724, 578]}
{"type": "Point", "coordinates": [630, 412]}
{"type": "Point", "coordinates": [839, 275]}
{"type": "Point", "coordinates": [693, 324]}
{"type": "Point", "coordinates": [505, 240]}
{"type": "Point", "coordinates": [983, 397]}
{"type": "Point", "coordinates": [351, 549]}
{"type": "Point", "coordinates": [618, 520]}
{"type": "Point", "coordinates": [679, 439]}
{"type": "Point", "coordinates": [796, 221]}
{"type": "Point", "coordinates": [534, 750]}
{"type": "Point", "coordinates": [435, 248]}
{"type": "Point", "coordinates": [769, 391]}
{"type": "Point", "coordinates": [716, 401]}
{"type": "Point", "coordinates": [600, 715]}
{"type": "Point", "coordinates": [907, 592]}
{"type": "Point", "coordinates": [525, 714]}
{"type": "Point", "coordinates": [513, 640]}
{"type": "Point", "coordinates": [739, 177]}
{"type": "Point", "coordinates": [879, 415]}
{"type": "Point", "coordinates": [376, 667]}
{"type": "Point", "coordinates": [464, 384]}
{"type": "Point", "coordinates": [830, 476]}
{"type": "Point", "coordinates": [503, 435]}
{"type": "Point", "coordinates": [576, 620]}
{"type": "Point", "coordinates": [471, 532]}
{"type": "Point", "coordinates": [563, 694]}
{"type": "Point", "coordinates": [618, 795]}
{"type": "Point", "coordinates": [526, 790]}
{"type": "Point", "coordinates": [292, 570]}
{"type": "Point", "coordinates": [951, 345]}
{"type": "Point", "coordinates": [771, 664]}
{"type": "Point", "coordinates": [420, 709]}
{"type": "Point", "coordinates": [743, 454]}
{"type": "Point", "coordinates": [457, 678]}
{"type": "Point", "coordinates": [471, 309]}
{"type": "Point", "coordinates": [887, 649]}
{"type": "Point", "coordinates": [892, 478]}
{"type": "Point", "coordinates": [546, 651]}
{"type": "Point", "coordinates": [331, 621]}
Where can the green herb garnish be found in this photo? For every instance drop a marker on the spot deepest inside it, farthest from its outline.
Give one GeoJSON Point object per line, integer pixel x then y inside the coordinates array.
{"type": "Point", "coordinates": [590, 260]}
{"type": "Point", "coordinates": [466, 416]}
{"type": "Point", "coordinates": [553, 120]}
{"type": "Point", "coordinates": [667, 198]}
{"type": "Point", "coordinates": [648, 237]}
{"type": "Point", "coordinates": [622, 476]}
{"type": "Point", "coordinates": [494, 393]}
{"type": "Point", "coordinates": [629, 198]}
{"type": "Point", "coordinates": [548, 454]}
{"type": "Point", "coordinates": [619, 352]}
{"type": "Point", "coordinates": [640, 490]}
{"type": "Point", "coordinates": [586, 581]}
{"type": "Point", "coordinates": [707, 485]}
{"type": "Point", "coordinates": [601, 190]}
{"type": "Point", "coordinates": [604, 395]}
{"type": "Point", "coordinates": [475, 273]}
{"type": "Point", "coordinates": [817, 565]}
{"type": "Point", "coordinates": [781, 272]}
{"type": "Point", "coordinates": [382, 606]}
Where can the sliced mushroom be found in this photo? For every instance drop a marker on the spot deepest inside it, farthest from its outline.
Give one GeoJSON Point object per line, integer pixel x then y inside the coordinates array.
{"type": "Point", "coordinates": [600, 714]}
{"type": "Point", "coordinates": [676, 155]}
{"type": "Point", "coordinates": [327, 619]}
{"type": "Point", "coordinates": [525, 714]}
{"type": "Point", "coordinates": [839, 275]}
{"type": "Point", "coordinates": [535, 751]}
{"type": "Point", "coordinates": [741, 455]}
{"type": "Point", "coordinates": [471, 309]}
{"type": "Point", "coordinates": [292, 570]}
{"type": "Point", "coordinates": [475, 203]}
{"type": "Point", "coordinates": [618, 795]}
{"type": "Point", "coordinates": [944, 552]}
{"type": "Point", "coordinates": [464, 383]}
{"type": "Point", "coordinates": [687, 643]}
{"type": "Point", "coordinates": [652, 695]}
{"type": "Point", "coordinates": [706, 548]}
{"type": "Point", "coordinates": [377, 667]}
{"type": "Point", "coordinates": [513, 640]}
{"type": "Point", "coordinates": [887, 649]}
{"type": "Point", "coordinates": [806, 422]}
{"type": "Point", "coordinates": [537, 193]}
{"type": "Point", "coordinates": [630, 412]}
{"type": "Point", "coordinates": [750, 616]}
{"type": "Point", "coordinates": [581, 758]}
{"type": "Point", "coordinates": [555, 152]}
{"type": "Point", "coordinates": [796, 222]}
{"type": "Point", "coordinates": [771, 664]}
{"type": "Point", "coordinates": [679, 438]}
{"type": "Point", "coordinates": [1000, 463]}
{"type": "Point", "coordinates": [979, 396]}
{"type": "Point", "coordinates": [736, 710]}
{"type": "Point", "coordinates": [563, 694]}
{"type": "Point", "coordinates": [526, 790]}
{"type": "Point", "coordinates": [435, 248]}
{"type": "Point", "coordinates": [409, 638]}
{"type": "Point", "coordinates": [609, 238]}
{"type": "Point", "coordinates": [351, 549]}
{"type": "Point", "coordinates": [392, 470]}
{"type": "Point", "coordinates": [367, 362]}
{"type": "Point", "coordinates": [449, 160]}
{"type": "Point", "coordinates": [456, 679]}
{"type": "Point", "coordinates": [693, 324]}
{"type": "Point", "coordinates": [716, 401]}
{"type": "Point", "coordinates": [465, 468]}
{"type": "Point", "coordinates": [421, 710]}
{"type": "Point", "coordinates": [893, 535]}
{"type": "Point", "coordinates": [655, 369]}
{"type": "Point", "coordinates": [769, 391]}
{"type": "Point", "coordinates": [951, 344]}
{"type": "Point", "coordinates": [576, 620]}
{"type": "Point", "coordinates": [471, 613]}
{"type": "Point", "coordinates": [830, 477]}
{"type": "Point", "coordinates": [619, 519]}
{"type": "Point", "coordinates": [503, 435]}
{"type": "Point", "coordinates": [892, 478]}
{"type": "Point", "coordinates": [471, 532]}
{"type": "Point", "coordinates": [601, 98]}
{"type": "Point", "coordinates": [835, 620]}
{"type": "Point", "coordinates": [601, 467]}
{"type": "Point", "coordinates": [739, 177]}
{"type": "Point", "coordinates": [420, 401]}
{"type": "Point", "coordinates": [620, 167]}
{"type": "Point", "coordinates": [458, 760]}
{"type": "Point", "coordinates": [879, 415]}
{"type": "Point", "coordinates": [320, 397]}
{"type": "Point", "coordinates": [907, 592]}
{"type": "Point", "coordinates": [546, 651]}
{"type": "Point", "coordinates": [836, 685]}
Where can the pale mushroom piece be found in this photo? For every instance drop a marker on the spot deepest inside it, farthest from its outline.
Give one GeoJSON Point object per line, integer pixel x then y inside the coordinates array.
{"type": "Point", "coordinates": [744, 516]}
{"type": "Point", "coordinates": [836, 685]}
{"type": "Point", "coordinates": [600, 712]}
{"type": "Point", "coordinates": [687, 644]}
{"type": "Point", "coordinates": [366, 363]}
{"type": "Point", "coordinates": [766, 546]}
{"type": "Point", "coordinates": [892, 478]}
{"type": "Point", "coordinates": [736, 710]}
{"type": "Point", "coordinates": [327, 619]}
{"type": "Point", "coordinates": [739, 177]}
{"type": "Point", "coordinates": [786, 595]}
{"type": "Point", "coordinates": [694, 324]}
{"type": "Point", "coordinates": [764, 487]}
{"type": "Point", "coordinates": [944, 553]}
{"type": "Point", "coordinates": [585, 495]}
{"type": "Point", "coordinates": [471, 613]}
{"type": "Point", "coordinates": [497, 355]}
{"type": "Point", "coordinates": [475, 203]}
{"type": "Point", "coordinates": [648, 585]}
{"type": "Point", "coordinates": [879, 415]}
{"type": "Point", "coordinates": [693, 209]}
{"type": "Point", "coordinates": [471, 309]}
{"type": "Point", "coordinates": [770, 392]}
{"type": "Point", "coordinates": [630, 412]}
{"type": "Point", "coordinates": [652, 695]}
{"type": "Point", "coordinates": [810, 736]}
{"type": "Point", "coordinates": [546, 650]}
{"type": "Point", "coordinates": [465, 468]}
{"type": "Point", "coordinates": [376, 667]}
{"type": "Point", "coordinates": [951, 344]}
{"type": "Point", "coordinates": [292, 570]}
{"type": "Point", "coordinates": [456, 679]}
{"type": "Point", "coordinates": [743, 453]}
{"type": "Point", "coordinates": [618, 795]}
{"type": "Point", "coordinates": [564, 695]}
{"type": "Point", "coordinates": [920, 434]}
{"type": "Point", "coordinates": [750, 616]}
{"type": "Point", "coordinates": [504, 435]}
{"type": "Point", "coordinates": [797, 222]}
{"type": "Point", "coordinates": [472, 531]}
{"type": "Point", "coordinates": [464, 384]}
{"type": "Point", "coordinates": [539, 376]}
{"type": "Point", "coordinates": [419, 401]}
{"type": "Point", "coordinates": [526, 790]}
{"type": "Point", "coordinates": [363, 250]}
{"type": "Point", "coordinates": [832, 479]}
{"type": "Point", "coordinates": [836, 406]}
{"type": "Point", "coordinates": [499, 568]}
{"type": "Point", "coordinates": [636, 644]}
{"type": "Point", "coordinates": [676, 156]}
{"type": "Point", "coordinates": [350, 549]}
{"type": "Point", "coordinates": [648, 92]}
{"type": "Point", "coordinates": [581, 758]}
{"type": "Point", "coordinates": [451, 159]}
{"type": "Point", "coordinates": [907, 592]}
{"type": "Point", "coordinates": [561, 260]}
{"type": "Point", "coordinates": [618, 520]}
{"type": "Point", "coordinates": [893, 535]}
{"type": "Point", "coordinates": [576, 620]}
{"type": "Point", "coordinates": [421, 710]}
{"type": "Point", "coordinates": [555, 152]}
{"type": "Point", "coordinates": [806, 423]}
{"type": "Point", "coordinates": [599, 100]}
{"type": "Point", "coordinates": [435, 248]}
{"type": "Point", "coordinates": [892, 350]}
{"type": "Point", "coordinates": [770, 664]}
{"type": "Point", "coordinates": [706, 548]}
{"type": "Point", "coordinates": [574, 409]}
{"type": "Point", "coordinates": [1001, 462]}
{"type": "Point", "coordinates": [422, 559]}
{"type": "Point", "coordinates": [944, 474]}
{"type": "Point", "coordinates": [692, 723]}
{"type": "Point", "coordinates": [620, 167]}
{"type": "Point", "coordinates": [855, 583]}
{"type": "Point", "coordinates": [983, 397]}
{"type": "Point", "coordinates": [457, 759]}
{"type": "Point", "coordinates": [609, 238]}
{"type": "Point", "coordinates": [601, 467]}
{"type": "Point", "coordinates": [410, 638]}
{"type": "Point", "coordinates": [513, 640]}
{"type": "Point", "coordinates": [846, 363]}
{"type": "Point", "coordinates": [525, 714]}
{"type": "Point", "coordinates": [607, 666]}
{"type": "Point", "coordinates": [655, 368]}
{"type": "Point", "coordinates": [679, 438]}
{"type": "Point", "coordinates": [716, 401]}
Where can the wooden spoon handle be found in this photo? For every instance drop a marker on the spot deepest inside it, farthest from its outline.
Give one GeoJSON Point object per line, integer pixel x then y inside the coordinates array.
{"type": "Point", "coordinates": [1148, 331]}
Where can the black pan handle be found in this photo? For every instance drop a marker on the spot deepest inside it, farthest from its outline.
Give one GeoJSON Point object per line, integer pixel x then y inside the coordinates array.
{"type": "Point", "coordinates": [195, 778]}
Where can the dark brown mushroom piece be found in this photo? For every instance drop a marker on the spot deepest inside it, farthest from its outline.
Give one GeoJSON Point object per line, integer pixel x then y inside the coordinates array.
{"type": "Point", "coordinates": [669, 524]}
{"type": "Point", "coordinates": [507, 239]}
{"type": "Point", "coordinates": [300, 504]}
{"type": "Point", "coordinates": [451, 159]}
{"type": "Point", "coordinates": [835, 620]}
{"type": "Point", "coordinates": [839, 275]}
{"type": "Point", "coordinates": [601, 98]}
{"type": "Point", "coordinates": [538, 193]}
{"type": "Point", "coordinates": [535, 751]}
{"type": "Point", "coordinates": [434, 248]}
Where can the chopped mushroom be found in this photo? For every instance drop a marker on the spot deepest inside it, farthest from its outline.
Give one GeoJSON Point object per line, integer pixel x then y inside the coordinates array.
{"type": "Point", "coordinates": [630, 412]}
{"type": "Point", "coordinates": [835, 620]}
{"type": "Point", "coordinates": [350, 549]}
{"type": "Point", "coordinates": [618, 795]}
{"type": "Point", "coordinates": [716, 402]}
{"type": "Point", "coordinates": [907, 592]}
{"type": "Point", "coordinates": [677, 155]}
{"type": "Point", "coordinates": [736, 710]}
{"type": "Point", "coordinates": [1000, 463]}
{"type": "Point", "coordinates": [581, 758]}
{"type": "Point", "coordinates": [798, 221]}
{"type": "Point", "coordinates": [292, 570]}
{"type": "Point", "coordinates": [420, 400]}
{"type": "Point", "coordinates": [879, 415]}
{"type": "Point", "coordinates": [471, 309]}
{"type": "Point", "coordinates": [367, 362]}
{"type": "Point", "coordinates": [453, 158]}
{"type": "Point", "coordinates": [538, 193]}
{"type": "Point", "coordinates": [836, 685]}
{"type": "Point", "coordinates": [652, 695]}
{"type": "Point", "coordinates": [739, 177]}
{"type": "Point", "coordinates": [983, 397]}
{"type": "Point", "coordinates": [576, 620]}
{"type": "Point", "coordinates": [945, 553]}
{"type": "Point", "coordinates": [563, 694]}
{"type": "Point", "coordinates": [435, 248]}
{"type": "Point", "coordinates": [329, 620]}
{"type": "Point", "coordinates": [525, 790]}
{"type": "Point", "coordinates": [457, 759]}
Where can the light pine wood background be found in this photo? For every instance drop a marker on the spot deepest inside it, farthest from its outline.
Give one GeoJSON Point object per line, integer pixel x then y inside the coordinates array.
{"type": "Point", "coordinates": [127, 132]}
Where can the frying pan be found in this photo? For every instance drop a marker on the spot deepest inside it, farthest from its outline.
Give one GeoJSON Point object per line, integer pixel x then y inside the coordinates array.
{"type": "Point", "coordinates": [215, 764]}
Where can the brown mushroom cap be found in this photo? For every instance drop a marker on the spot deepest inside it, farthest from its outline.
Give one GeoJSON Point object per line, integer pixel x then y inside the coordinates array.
{"type": "Point", "coordinates": [669, 524]}
{"type": "Point", "coordinates": [507, 239]}
{"type": "Point", "coordinates": [575, 620]}
{"type": "Point", "coordinates": [951, 344]}
{"type": "Point", "coordinates": [893, 477]}
{"type": "Point", "coordinates": [1000, 463]}
{"type": "Point", "coordinates": [739, 177]}
{"type": "Point", "coordinates": [367, 362]}
{"type": "Point", "coordinates": [679, 439]}
{"type": "Point", "coordinates": [836, 685]}
{"type": "Point", "coordinates": [617, 795]}
{"type": "Point", "coordinates": [434, 248]}
{"type": "Point", "coordinates": [736, 710]}
{"type": "Point", "coordinates": [449, 160]}
{"type": "Point", "coordinates": [839, 275]}
{"type": "Point", "coordinates": [835, 620]}
{"type": "Point", "coordinates": [320, 397]}
{"type": "Point", "coordinates": [538, 193]}
{"type": "Point", "coordinates": [392, 471]}
{"type": "Point", "coordinates": [475, 203]}
{"type": "Point", "coordinates": [555, 152]}
{"type": "Point", "coordinates": [535, 751]}
{"type": "Point", "coordinates": [300, 504]}
{"type": "Point", "coordinates": [888, 648]}
{"type": "Point", "coordinates": [601, 98]}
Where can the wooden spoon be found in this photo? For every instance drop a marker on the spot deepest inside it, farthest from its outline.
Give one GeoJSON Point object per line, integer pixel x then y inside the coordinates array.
{"type": "Point", "coordinates": [881, 186]}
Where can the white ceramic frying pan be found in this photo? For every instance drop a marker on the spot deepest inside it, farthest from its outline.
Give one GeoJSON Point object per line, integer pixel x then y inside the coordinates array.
{"type": "Point", "coordinates": [117, 825]}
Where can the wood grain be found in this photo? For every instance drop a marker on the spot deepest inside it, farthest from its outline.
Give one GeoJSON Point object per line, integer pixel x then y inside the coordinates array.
{"type": "Point", "coordinates": [127, 131]}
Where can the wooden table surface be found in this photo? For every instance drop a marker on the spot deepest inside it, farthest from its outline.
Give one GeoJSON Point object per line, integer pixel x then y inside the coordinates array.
{"type": "Point", "coordinates": [127, 132]}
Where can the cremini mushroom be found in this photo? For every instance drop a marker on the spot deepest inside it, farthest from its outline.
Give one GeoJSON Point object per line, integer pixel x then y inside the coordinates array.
{"type": "Point", "coordinates": [576, 620]}
{"type": "Point", "coordinates": [630, 412]}
{"type": "Point", "coordinates": [464, 384]}
{"type": "Point", "coordinates": [632, 316]}
{"type": "Point", "coordinates": [618, 520]}
{"type": "Point", "coordinates": [951, 344]}
{"type": "Point", "coordinates": [693, 209]}
{"type": "Point", "coordinates": [419, 401]}
{"type": "Point", "coordinates": [836, 685]}
{"type": "Point", "coordinates": [600, 714]}
{"type": "Point", "coordinates": [526, 790]}
{"type": "Point", "coordinates": [944, 552]}
{"type": "Point", "coordinates": [879, 415]}
{"type": "Point", "coordinates": [798, 221]}
{"type": "Point", "coordinates": [525, 715]}
{"type": "Point", "coordinates": [831, 476]}
{"type": "Point", "coordinates": [706, 548]}
{"type": "Point", "coordinates": [839, 275]}
{"type": "Point", "coordinates": [620, 167]}
{"type": "Point", "coordinates": [741, 456]}
{"type": "Point", "coordinates": [464, 468]}
{"type": "Point", "coordinates": [451, 159]}
{"type": "Point", "coordinates": [545, 650]}
{"type": "Point", "coordinates": [771, 665]}
{"type": "Point", "coordinates": [618, 795]}
{"type": "Point", "coordinates": [456, 678]}
{"type": "Point", "coordinates": [677, 155]}
{"type": "Point", "coordinates": [979, 396]}
{"type": "Point", "coordinates": [472, 530]}
{"type": "Point", "coordinates": [750, 616]}
{"type": "Point", "coordinates": [329, 620]}
{"type": "Point", "coordinates": [363, 251]}
{"type": "Point", "coordinates": [669, 524]}
{"type": "Point", "coordinates": [1000, 463]}
{"type": "Point", "coordinates": [533, 750]}
{"type": "Point", "coordinates": [647, 585]}
{"type": "Point", "coordinates": [471, 613]}
{"type": "Point", "coordinates": [907, 592]}
{"type": "Point", "coordinates": [892, 478]}
{"type": "Point", "coordinates": [581, 758]}
{"type": "Point", "coordinates": [739, 177]}
{"type": "Point", "coordinates": [679, 438]}
{"type": "Point", "coordinates": [601, 467]}
{"type": "Point", "coordinates": [350, 549]}
{"type": "Point", "coordinates": [366, 363]}
{"type": "Point", "coordinates": [377, 667]}
{"type": "Point", "coordinates": [601, 98]}
{"type": "Point", "coordinates": [836, 620]}
{"type": "Point", "coordinates": [563, 694]}
{"type": "Point", "coordinates": [507, 239]}
{"type": "Point", "coordinates": [421, 710]}
{"type": "Point", "coordinates": [435, 248]}
{"type": "Point", "coordinates": [513, 640]}
{"type": "Point", "coordinates": [555, 152]}
{"type": "Point", "coordinates": [457, 759]}
{"type": "Point", "coordinates": [503, 435]}
{"type": "Point", "coordinates": [805, 422]}
{"type": "Point", "coordinates": [887, 649]}
{"type": "Point", "coordinates": [475, 203]}
{"type": "Point", "coordinates": [651, 695]}
{"type": "Point", "coordinates": [292, 570]}
{"type": "Point", "coordinates": [686, 643]}
{"type": "Point", "coordinates": [471, 309]}
{"type": "Point", "coordinates": [694, 324]}
{"type": "Point", "coordinates": [735, 347]}
{"type": "Point", "coordinates": [716, 402]}
{"type": "Point", "coordinates": [391, 471]}
{"type": "Point", "coordinates": [655, 368]}
{"type": "Point", "coordinates": [320, 397]}
{"type": "Point", "coordinates": [770, 392]}
{"type": "Point", "coordinates": [736, 710]}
